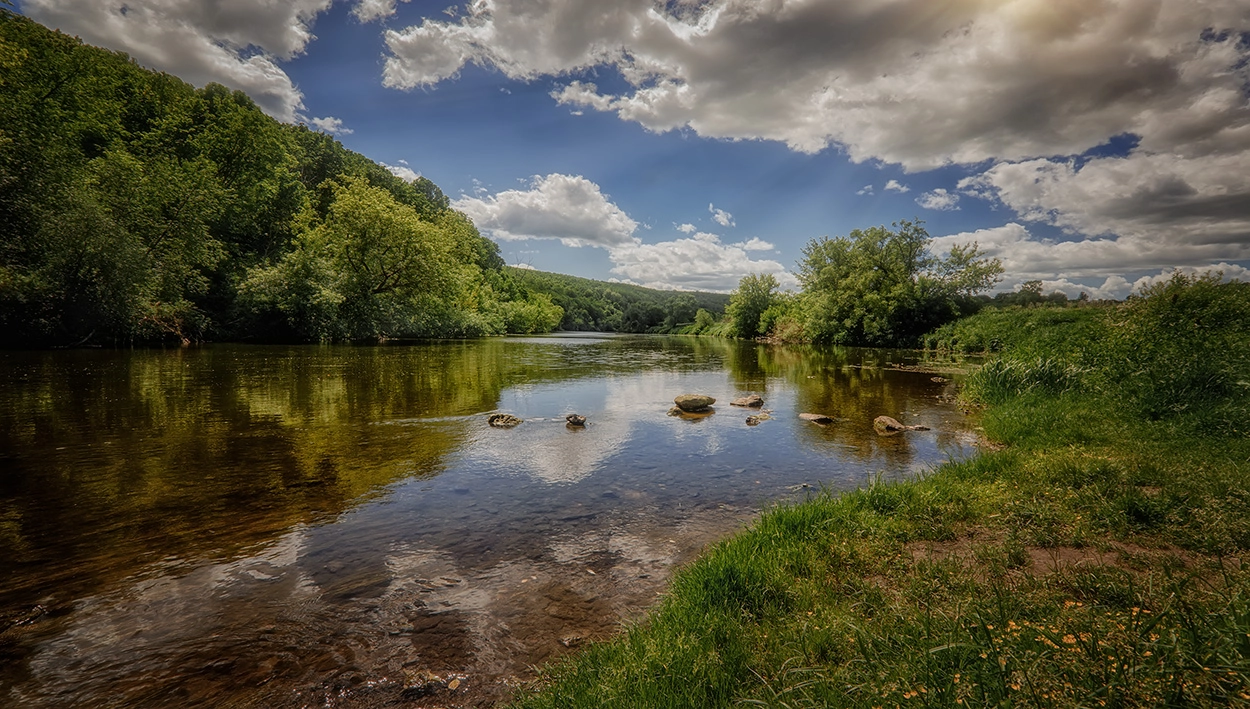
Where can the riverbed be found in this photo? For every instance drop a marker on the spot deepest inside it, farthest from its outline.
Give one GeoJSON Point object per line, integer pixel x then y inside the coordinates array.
{"type": "Point", "coordinates": [235, 525]}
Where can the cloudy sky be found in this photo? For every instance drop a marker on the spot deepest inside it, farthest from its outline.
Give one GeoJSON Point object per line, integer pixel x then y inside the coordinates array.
{"type": "Point", "coordinates": [1092, 144]}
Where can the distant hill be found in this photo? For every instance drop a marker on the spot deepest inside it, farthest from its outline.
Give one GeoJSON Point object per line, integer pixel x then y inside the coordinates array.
{"type": "Point", "coordinates": [618, 307]}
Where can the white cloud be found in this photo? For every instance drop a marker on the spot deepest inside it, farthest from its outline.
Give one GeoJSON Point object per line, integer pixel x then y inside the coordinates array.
{"type": "Point", "coordinates": [896, 186]}
{"type": "Point", "coordinates": [370, 10]}
{"type": "Point", "coordinates": [331, 125]}
{"type": "Point", "coordinates": [1162, 198]}
{"type": "Point", "coordinates": [402, 171]}
{"type": "Point", "coordinates": [939, 199]}
{"type": "Point", "coordinates": [238, 44]}
{"type": "Point", "coordinates": [866, 189]}
{"type": "Point", "coordinates": [565, 207]}
{"type": "Point", "coordinates": [720, 216]}
{"type": "Point", "coordinates": [700, 262]}
{"type": "Point", "coordinates": [915, 82]}
{"type": "Point", "coordinates": [573, 210]}
{"type": "Point", "coordinates": [1111, 259]}
{"type": "Point", "coordinates": [756, 244]}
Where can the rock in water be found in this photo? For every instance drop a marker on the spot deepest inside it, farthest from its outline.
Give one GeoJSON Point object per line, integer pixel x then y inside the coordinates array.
{"type": "Point", "coordinates": [575, 420]}
{"type": "Point", "coordinates": [693, 403]}
{"type": "Point", "coordinates": [817, 418]}
{"type": "Point", "coordinates": [503, 420]}
{"type": "Point", "coordinates": [753, 401]}
{"type": "Point", "coordinates": [885, 424]}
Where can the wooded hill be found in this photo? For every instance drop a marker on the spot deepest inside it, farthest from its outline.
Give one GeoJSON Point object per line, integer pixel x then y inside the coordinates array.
{"type": "Point", "coordinates": [137, 208]}
{"type": "Point", "coordinates": [619, 307]}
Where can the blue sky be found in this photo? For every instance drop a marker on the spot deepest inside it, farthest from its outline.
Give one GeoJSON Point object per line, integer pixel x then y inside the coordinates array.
{"type": "Point", "coordinates": [1092, 145]}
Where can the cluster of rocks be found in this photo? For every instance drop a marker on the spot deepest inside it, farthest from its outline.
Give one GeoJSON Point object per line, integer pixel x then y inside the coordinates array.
{"type": "Point", "coordinates": [699, 405]}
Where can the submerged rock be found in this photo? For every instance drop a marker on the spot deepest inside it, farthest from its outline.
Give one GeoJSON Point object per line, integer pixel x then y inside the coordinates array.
{"type": "Point", "coordinates": [885, 424]}
{"type": "Point", "coordinates": [699, 414]}
{"type": "Point", "coordinates": [755, 420]}
{"type": "Point", "coordinates": [694, 403]}
{"type": "Point", "coordinates": [575, 420]}
{"type": "Point", "coordinates": [503, 420]}
{"type": "Point", "coordinates": [753, 401]}
{"type": "Point", "coordinates": [817, 418]}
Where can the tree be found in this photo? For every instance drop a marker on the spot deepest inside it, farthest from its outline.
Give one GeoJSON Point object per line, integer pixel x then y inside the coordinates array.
{"type": "Point", "coordinates": [755, 294]}
{"type": "Point", "coordinates": [878, 287]}
{"type": "Point", "coordinates": [371, 268]}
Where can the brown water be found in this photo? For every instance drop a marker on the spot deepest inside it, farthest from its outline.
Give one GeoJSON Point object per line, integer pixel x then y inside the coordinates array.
{"type": "Point", "coordinates": [338, 526]}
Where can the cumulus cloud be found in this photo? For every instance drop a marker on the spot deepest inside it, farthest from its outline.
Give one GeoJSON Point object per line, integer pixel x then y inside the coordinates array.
{"type": "Point", "coordinates": [370, 10]}
{"type": "Point", "coordinates": [896, 186]}
{"type": "Point", "coordinates": [915, 82]}
{"type": "Point", "coordinates": [573, 210]}
{"type": "Point", "coordinates": [570, 208]}
{"type": "Point", "coordinates": [700, 262]}
{"type": "Point", "coordinates": [238, 44]}
{"type": "Point", "coordinates": [720, 216]}
{"type": "Point", "coordinates": [1026, 257]}
{"type": "Point", "coordinates": [866, 189]}
{"type": "Point", "coordinates": [331, 125]}
{"type": "Point", "coordinates": [402, 171]}
{"type": "Point", "coordinates": [939, 199]}
{"type": "Point", "coordinates": [1198, 201]}
{"type": "Point", "coordinates": [756, 244]}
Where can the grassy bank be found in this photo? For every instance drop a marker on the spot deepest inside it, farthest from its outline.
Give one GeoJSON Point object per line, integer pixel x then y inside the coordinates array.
{"type": "Point", "coordinates": [1094, 558]}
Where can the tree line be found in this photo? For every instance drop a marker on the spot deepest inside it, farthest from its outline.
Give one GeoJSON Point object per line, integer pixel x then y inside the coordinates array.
{"type": "Point", "coordinates": [137, 208]}
{"type": "Point", "coordinates": [601, 306]}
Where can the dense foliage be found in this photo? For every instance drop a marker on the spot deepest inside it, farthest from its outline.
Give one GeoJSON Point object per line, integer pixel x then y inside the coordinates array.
{"type": "Point", "coordinates": [878, 287]}
{"type": "Point", "coordinates": [619, 307]}
{"type": "Point", "coordinates": [873, 288]}
{"type": "Point", "coordinates": [1093, 558]}
{"type": "Point", "coordinates": [755, 294]}
{"type": "Point", "coordinates": [138, 208]}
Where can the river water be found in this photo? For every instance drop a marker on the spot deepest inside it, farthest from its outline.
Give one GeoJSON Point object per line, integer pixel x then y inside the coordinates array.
{"type": "Point", "coordinates": [339, 526]}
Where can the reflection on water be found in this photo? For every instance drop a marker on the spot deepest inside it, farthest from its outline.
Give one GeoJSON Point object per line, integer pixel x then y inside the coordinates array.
{"type": "Point", "coordinates": [287, 526]}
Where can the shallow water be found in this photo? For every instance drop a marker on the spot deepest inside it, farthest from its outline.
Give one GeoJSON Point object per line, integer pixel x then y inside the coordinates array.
{"type": "Point", "coordinates": [339, 526]}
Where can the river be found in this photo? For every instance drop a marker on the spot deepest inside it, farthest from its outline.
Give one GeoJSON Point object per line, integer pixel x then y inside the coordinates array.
{"type": "Point", "coordinates": [234, 525]}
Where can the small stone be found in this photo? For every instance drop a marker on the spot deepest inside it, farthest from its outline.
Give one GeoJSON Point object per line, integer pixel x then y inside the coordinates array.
{"type": "Point", "coordinates": [886, 425]}
{"type": "Point", "coordinates": [503, 420]}
{"type": "Point", "coordinates": [421, 683]}
{"type": "Point", "coordinates": [571, 641]}
{"type": "Point", "coordinates": [691, 403]}
{"type": "Point", "coordinates": [575, 420]}
{"type": "Point", "coordinates": [939, 380]}
{"type": "Point", "coordinates": [752, 401]}
{"type": "Point", "coordinates": [817, 418]}
{"type": "Point", "coordinates": [753, 420]}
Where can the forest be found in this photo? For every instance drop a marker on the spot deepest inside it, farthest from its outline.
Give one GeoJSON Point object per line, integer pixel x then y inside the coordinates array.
{"type": "Point", "coordinates": [137, 208]}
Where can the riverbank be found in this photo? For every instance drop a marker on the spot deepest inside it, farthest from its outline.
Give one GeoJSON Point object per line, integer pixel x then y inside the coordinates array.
{"type": "Point", "coordinates": [1093, 556]}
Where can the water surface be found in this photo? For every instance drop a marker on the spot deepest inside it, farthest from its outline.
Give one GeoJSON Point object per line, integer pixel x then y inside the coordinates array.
{"type": "Point", "coordinates": [335, 526]}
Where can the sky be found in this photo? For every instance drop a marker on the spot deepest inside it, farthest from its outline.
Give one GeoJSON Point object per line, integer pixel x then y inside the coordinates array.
{"type": "Point", "coordinates": [1095, 145]}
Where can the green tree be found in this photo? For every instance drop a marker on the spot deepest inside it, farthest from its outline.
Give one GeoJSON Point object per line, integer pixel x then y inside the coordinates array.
{"type": "Point", "coordinates": [878, 287]}
{"type": "Point", "coordinates": [371, 268]}
{"type": "Point", "coordinates": [755, 294]}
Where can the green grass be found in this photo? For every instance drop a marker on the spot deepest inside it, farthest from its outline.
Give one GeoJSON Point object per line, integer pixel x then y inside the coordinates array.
{"type": "Point", "coordinates": [1094, 560]}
